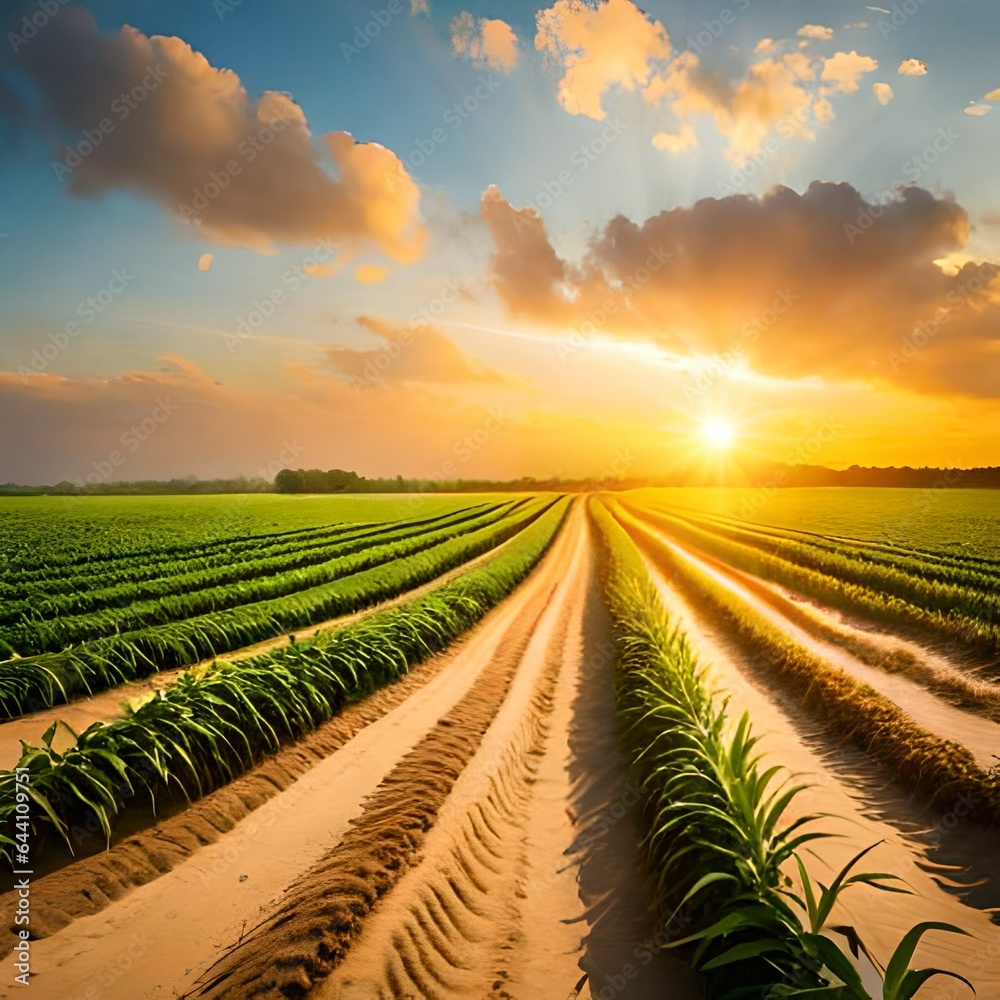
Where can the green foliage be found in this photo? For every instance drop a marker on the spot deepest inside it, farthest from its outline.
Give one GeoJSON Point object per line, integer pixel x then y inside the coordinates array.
{"type": "Point", "coordinates": [716, 839]}
{"type": "Point", "coordinates": [218, 721]}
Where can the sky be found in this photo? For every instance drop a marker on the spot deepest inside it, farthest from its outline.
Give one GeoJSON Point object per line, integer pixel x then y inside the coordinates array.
{"type": "Point", "coordinates": [462, 240]}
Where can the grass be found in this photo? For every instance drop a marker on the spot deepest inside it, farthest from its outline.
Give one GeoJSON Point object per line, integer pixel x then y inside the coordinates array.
{"type": "Point", "coordinates": [217, 722]}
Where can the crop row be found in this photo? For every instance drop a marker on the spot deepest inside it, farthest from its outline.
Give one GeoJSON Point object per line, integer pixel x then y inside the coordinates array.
{"type": "Point", "coordinates": [961, 571]}
{"type": "Point", "coordinates": [159, 564]}
{"type": "Point", "coordinates": [937, 770]}
{"type": "Point", "coordinates": [716, 838]}
{"type": "Point", "coordinates": [977, 598]}
{"type": "Point", "coordinates": [219, 720]}
{"type": "Point", "coordinates": [37, 682]}
{"type": "Point", "coordinates": [258, 580]}
{"type": "Point", "coordinates": [843, 585]}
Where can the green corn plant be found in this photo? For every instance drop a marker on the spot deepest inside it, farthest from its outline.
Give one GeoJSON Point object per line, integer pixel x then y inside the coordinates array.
{"type": "Point", "coordinates": [716, 839]}
{"type": "Point", "coordinates": [217, 721]}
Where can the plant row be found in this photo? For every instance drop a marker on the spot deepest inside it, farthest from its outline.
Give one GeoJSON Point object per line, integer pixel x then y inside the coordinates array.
{"type": "Point", "coordinates": [159, 564]}
{"type": "Point", "coordinates": [717, 840]}
{"type": "Point", "coordinates": [958, 570]}
{"type": "Point", "coordinates": [937, 770]}
{"type": "Point", "coordinates": [842, 584]}
{"type": "Point", "coordinates": [33, 683]}
{"type": "Point", "coordinates": [176, 598]}
{"type": "Point", "coordinates": [218, 721]}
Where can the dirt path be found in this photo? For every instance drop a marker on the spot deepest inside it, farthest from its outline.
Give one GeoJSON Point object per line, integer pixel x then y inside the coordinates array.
{"type": "Point", "coordinates": [110, 704]}
{"type": "Point", "coordinates": [861, 816]}
{"type": "Point", "coordinates": [498, 904]}
{"type": "Point", "coordinates": [489, 727]}
{"type": "Point", "coordinates": [872, 641]}
{"type": "Point", "coordinates": [981, 736]}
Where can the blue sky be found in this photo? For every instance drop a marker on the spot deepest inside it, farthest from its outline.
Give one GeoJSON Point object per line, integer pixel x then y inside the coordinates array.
{"type": "Point", "coordinates": [62, 247]}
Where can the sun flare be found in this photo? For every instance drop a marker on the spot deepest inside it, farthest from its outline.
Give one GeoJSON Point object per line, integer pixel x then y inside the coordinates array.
{"type": "Point", "coordinates": [718, 433]}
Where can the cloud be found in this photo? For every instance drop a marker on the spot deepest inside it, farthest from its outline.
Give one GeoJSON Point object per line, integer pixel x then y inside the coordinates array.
{"type": "Point", "coordinates": [187, 135]}
{"type": "Point", "coordinates": [863, 296]}
{"type": "Point", "coordinates": [524, 267]}
{"type": "Point", "coordinates": [419, 7]}
{"type": "Point", "coordinates": [68, 428]}
{"type": "Point", "coordinates": [613, 46]}
{"type": "Point", "coordinates": [815, 31]}
{"type": "Point", "coordinates": [912, 67]}
{"type": "Point", "coordinates": [205, 262]}
{"type": "Point", "coordinates": [993, 95]}
{"type": "Point", "coordinates": [978, 110]}
{"type": "Point", "coordinates": [676, 142]}
{"type": "Point", "coordinates": [370, 274]}
{"type": "Point", "coordinates": [842, 72]}
{"type": "Point", "coordinates": [409, 354]}
{"type": "Point", "coordinates": [765, 46]}
{"type": "Point", "coordinates": [487, 44]}
{"type": "Point", "coordinates": [883, 92]}
{"type": "Point", "coordinates": [319, 270]}
{"type": "Point", "coordinates": [856, 25]}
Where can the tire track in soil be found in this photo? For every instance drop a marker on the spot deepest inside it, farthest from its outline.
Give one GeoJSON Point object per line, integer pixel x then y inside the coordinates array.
{"type": "Point", "coordinates": [489, 902]}
{"type": "Point", "coordinates": [200, 904]}
{"type": "Point", "coordinates": [109, 705]}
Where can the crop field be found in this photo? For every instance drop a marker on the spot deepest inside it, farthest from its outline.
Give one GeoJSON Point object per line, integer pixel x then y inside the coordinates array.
{"type": "Point", "coordinates": [656, 743]}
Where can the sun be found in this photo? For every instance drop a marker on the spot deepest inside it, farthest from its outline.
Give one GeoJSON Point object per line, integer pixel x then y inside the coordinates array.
{"type": "Point", "coordinates": [718, 433]}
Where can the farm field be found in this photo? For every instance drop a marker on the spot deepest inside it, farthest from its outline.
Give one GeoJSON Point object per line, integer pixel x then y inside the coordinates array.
{"type": "Point", "coordinates": [503, 745]}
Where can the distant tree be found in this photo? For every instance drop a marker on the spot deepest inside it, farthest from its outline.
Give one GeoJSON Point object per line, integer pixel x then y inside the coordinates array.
{"type": "Point", "coordinates": [288, 481]}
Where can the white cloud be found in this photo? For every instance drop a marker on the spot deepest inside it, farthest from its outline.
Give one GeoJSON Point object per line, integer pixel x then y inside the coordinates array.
{"type": "Point", "coordinates": [883, 92]}
{"type": "Point", "coordinates": [816, 31]}
{"type": "Point", "coordinates": [912, 67]}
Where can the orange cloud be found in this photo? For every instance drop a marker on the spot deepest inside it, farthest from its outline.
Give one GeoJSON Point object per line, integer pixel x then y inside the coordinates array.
{"type": "Point", "coordinates": [370, 274]}
{"type": "Point", "coordinates": [822, 283]}
{"type": "Point", "coordinates": [676, 142]}
{"type": "Point", "coordinates": [815, 31]}
{"type": "Point", "coordinates": [205, 262]}
{"type": "Point", "coordinates": [487, 44]}
{"type": "Point", "coordinates": [245, 172]}
{"type": "Point", "coordinates": [408, 353]}
{"type": "Point", "coordinates": [912, 67]}
{"type": "Point", "coordinates": [613, 46]}
{"type": "Point", "coordinates": [842, 72]}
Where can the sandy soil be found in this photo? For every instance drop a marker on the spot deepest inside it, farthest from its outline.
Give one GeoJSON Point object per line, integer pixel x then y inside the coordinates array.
{"type": "Point", "coordinates": [929, 711]}
{"type": "Point", "coordinates": [108, 705]}
{"type": "Point", "coordinates": [866, 810]}
{"type": "Point", "coordinates": [468, 790]}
